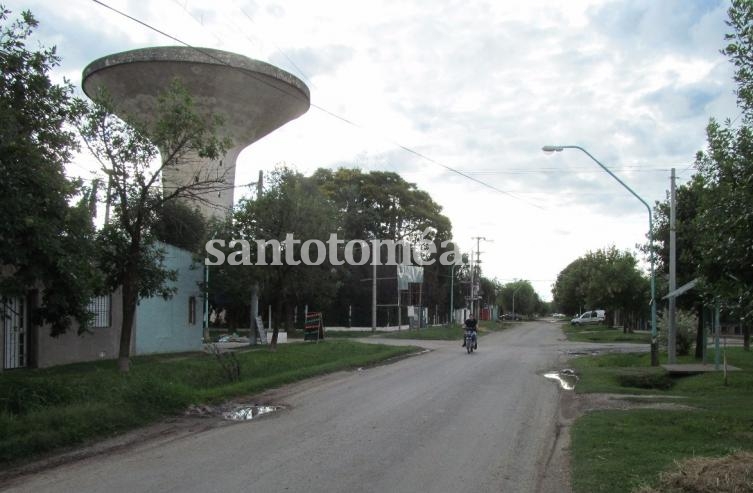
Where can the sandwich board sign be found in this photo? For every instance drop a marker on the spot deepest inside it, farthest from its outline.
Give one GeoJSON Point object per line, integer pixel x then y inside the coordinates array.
{"type": "Point", "coordinates": [313, 330]}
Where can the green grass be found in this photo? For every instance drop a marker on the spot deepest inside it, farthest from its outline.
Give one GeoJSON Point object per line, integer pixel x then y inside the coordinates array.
{"type": "Point", "coordinates": [602, 333]}
{"type": "Point", "coordinates": [43, 410]}
{"type": "Point", "coordinates": [346, 334]}
{"type": "Point", "coordinates": [616, 451]}
{"type": "Point", "coordinates": [444, 332]}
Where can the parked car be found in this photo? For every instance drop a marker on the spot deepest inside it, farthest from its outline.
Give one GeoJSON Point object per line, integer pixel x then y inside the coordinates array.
{"type": "Point", "coordinates": [589, 317]}
{"type": "Point", "coordinates": [511, 316]}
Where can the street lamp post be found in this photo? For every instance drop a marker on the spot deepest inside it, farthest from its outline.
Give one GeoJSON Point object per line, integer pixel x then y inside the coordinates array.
{"type": "Point", "coordinates": [654, 346]}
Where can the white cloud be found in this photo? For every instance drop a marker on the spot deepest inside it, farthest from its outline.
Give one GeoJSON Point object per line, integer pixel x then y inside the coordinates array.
{"type": "Point", "coordinates": [479, 86]}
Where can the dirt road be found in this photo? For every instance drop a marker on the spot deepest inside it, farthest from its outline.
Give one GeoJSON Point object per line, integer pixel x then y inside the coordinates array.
{"type": "Point", "coordinates": [444, 421]}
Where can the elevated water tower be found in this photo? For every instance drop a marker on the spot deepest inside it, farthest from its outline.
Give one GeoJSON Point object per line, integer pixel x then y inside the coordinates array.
{"type": "Point", "coordinates": [252, 97]}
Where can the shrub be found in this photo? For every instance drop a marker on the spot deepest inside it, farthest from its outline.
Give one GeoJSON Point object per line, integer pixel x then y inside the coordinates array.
{"type": "Point", "coordinates": [644, 378]}
{"type": "Point", "coordinates": [686, 323]}
{"type": "Point", "coordinates": [27, 395]}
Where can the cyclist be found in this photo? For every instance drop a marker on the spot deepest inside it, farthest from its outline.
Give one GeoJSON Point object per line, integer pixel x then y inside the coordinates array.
{"type": "Point", "coordinates": [470, 324]}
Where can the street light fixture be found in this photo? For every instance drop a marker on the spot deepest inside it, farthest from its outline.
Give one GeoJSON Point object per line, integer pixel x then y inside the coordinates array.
{"type": "Point", "coordinates": [654, 347]}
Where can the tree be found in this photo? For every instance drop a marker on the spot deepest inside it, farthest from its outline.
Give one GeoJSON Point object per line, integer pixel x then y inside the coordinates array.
{"type": "Point", "coordinates": [544, 307]}
{"type": "Point", "coordinates": [526, 299]}
{"type": "Point", "coordinates": [292, 204]}
{"type": "Point", "coordinates": [488, 290]}
{"type": "Point", "coordinates": [229, 288]}
{"type": "Point", "coordinates": [688, 235]}
{"type": "Point", "coordinates": [180, 225]}
{"type": "Point", "coordinates": [134, 155]}
{"type": "Point", "coordinates": [44, 241]}
{"type": "Point", "coordinates": [726, 168]}
{"type": "Point", "coordinates": [382, 205]}
{"type": "Point", "coordinates": [570, 288]}
{"type": "Point", "coordinates": [726, 239]}
{"type": "Point", "coordinates": [607, 278]}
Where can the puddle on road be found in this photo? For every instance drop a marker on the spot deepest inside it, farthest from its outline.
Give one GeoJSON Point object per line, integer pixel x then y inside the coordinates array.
{"type": "Point", "coordinates": [565, 377]}
{"type": "Point", "coordinates": [247, 413]}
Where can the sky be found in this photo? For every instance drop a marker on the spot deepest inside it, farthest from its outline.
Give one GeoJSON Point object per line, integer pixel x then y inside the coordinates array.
{"type": "Point", "coordinates": [473, 85]}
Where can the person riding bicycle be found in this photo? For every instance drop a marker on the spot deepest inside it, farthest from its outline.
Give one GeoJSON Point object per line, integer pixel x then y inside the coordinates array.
{"type": "Point", "coordinates": [470, 324]}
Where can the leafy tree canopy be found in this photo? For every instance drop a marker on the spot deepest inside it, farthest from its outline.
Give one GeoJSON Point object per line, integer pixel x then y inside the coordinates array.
{"type": "Point", "coordinates": [725, 168]}
{"type": "Point", "coordinates": [689, 200]}
{"type": "Point", "coordinates": [381, 204]}
{"type": "Point", "coordinates": [135, 155]}
{"type": "Point", "coordinates": [607, 279]}
{"type": "Point", "coordinates": [44, 241]}
{"type": "Point", "coordinates": [180, 225]}
{"type": "Point", "coordinates": [527, 301]}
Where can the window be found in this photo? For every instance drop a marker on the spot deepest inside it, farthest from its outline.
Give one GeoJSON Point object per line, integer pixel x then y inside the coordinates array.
{"type": "Point", "coordinates": [100, 308]}
{"type": "Point", "coordinates": [192, 310]}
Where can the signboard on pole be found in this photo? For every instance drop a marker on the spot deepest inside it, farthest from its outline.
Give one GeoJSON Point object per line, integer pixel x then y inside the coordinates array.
{"type": "Point", "coordinates": [409, 274]}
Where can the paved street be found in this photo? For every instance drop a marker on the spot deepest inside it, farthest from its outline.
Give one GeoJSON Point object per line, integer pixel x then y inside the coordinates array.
{"type": "Point", "coordinates": [444, 421]}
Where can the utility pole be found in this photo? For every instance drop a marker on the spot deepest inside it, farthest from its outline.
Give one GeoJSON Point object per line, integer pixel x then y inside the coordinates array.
{"type": "Point", "coordinates": [476, 277]}
{"type": "Point", "coordinates": [472, 265]}
{"type": "Point", "coordinates": [672, 329]}
{"type": "Point", "coordinates": [255, 286]}
{"type": "Point", "coordinates": [514, 313]}
{"type": "Point", "coordinates": [374, 293]}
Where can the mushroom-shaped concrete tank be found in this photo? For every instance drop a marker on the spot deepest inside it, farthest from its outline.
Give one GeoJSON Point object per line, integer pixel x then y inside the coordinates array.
{"type": "Point", "coordinates": [252, 97]}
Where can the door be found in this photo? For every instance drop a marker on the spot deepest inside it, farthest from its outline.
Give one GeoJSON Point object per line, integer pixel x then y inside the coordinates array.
{"type": "Point", "coordinates": [14, 333]}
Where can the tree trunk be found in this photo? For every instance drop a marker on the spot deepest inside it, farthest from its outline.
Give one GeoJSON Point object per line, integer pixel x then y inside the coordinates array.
{"type": "Point", "coordinates": [130, 298]}
{"type": "Point", "coordinates": [126, 329]}
{"type": "Point", "coordinates": [699, 332]}
{"type": "Point", "coordinates": [253, 313]}
{"type": "Point", "coordinates": [276, 325]}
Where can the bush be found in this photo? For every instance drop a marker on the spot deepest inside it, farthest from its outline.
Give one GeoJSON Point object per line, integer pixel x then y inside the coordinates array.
{"type": "Point", "coordinates": [686, 325]}
{"type": "Point", "coordinates": [644, 378]}
{"type": "Point", "coordinates": [28, 395]}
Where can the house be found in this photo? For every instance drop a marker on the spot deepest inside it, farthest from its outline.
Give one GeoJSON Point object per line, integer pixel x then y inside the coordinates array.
{"type": "Point", "coordinates": [160, 326]}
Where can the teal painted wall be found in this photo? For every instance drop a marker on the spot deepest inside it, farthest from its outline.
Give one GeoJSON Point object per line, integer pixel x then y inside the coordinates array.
{"type": "Point", "coordinates": [162, 326]}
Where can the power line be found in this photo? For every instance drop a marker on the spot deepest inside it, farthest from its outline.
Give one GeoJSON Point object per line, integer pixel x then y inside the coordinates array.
{"type": "Point", "coordinates": [198, 21]}
{"type": "Point", "coordinates": [320, 108]}
{"type": "Point", "coordinates": [528, 171]}
{"type": "Point", "coordinates": [300, 71]}
{"type": "Point", "coordinates": [391, 141]}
